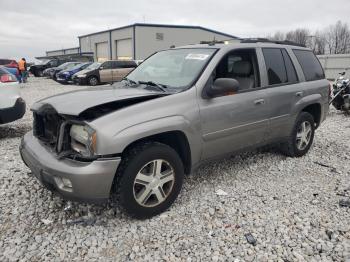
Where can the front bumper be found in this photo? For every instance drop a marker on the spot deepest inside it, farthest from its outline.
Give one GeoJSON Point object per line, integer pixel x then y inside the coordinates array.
{"type": "Point", "coordinates": [90, 181]}
{"type": "Point", "coordinates": [80, 80]}
{"type": "Point", "coordinates": [13, 113]}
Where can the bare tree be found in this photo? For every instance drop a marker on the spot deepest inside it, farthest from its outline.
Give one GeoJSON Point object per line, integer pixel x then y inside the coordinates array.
{"type": "Point", "coordinates": [299, 36]}
{"type": "Point", "coordinates": [317, 43]}
{"type": "Point", "coordinates": [338, 38]}
{"type": "Point", "coordinates": [278, 36]}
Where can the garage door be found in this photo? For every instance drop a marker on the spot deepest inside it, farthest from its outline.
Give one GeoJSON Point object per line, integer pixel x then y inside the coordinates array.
{"type": "Point", "coordinates": [102, 52]}
{"type": "Point", "coordinates": [124, 49]}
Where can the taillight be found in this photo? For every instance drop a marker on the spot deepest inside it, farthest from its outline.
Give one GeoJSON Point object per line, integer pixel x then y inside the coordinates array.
{"type": "Point", "coordinates": [7, 78]}
{"type": "Point", "coordinates": [330, 89]}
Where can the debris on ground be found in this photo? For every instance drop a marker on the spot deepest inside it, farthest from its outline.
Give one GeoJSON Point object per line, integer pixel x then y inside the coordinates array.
{"type": "Point", "coordinates": [250, 239]}
{"type": "Point", "coordinates": [344, 202]}
{"type": "Point", "coordinates": [85, 221]}
{"type": "Point", "coordinates": [221, 192]}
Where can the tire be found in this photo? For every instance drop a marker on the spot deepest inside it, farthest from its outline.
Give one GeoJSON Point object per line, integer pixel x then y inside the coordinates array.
{"type": "Point", "coordinates": [298, 143]}
{"type": "Point", "coordinates": [39, 73]}
{"type": "Point", "coordinates": [92, 81]}
{"type": "Point", "coordinates": [140, 200]}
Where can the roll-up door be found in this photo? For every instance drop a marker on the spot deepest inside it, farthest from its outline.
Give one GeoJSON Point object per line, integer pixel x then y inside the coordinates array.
{"type": "Point", "coordinates": [124, 49]}
{"type": "Point", "coordinates": [102, 51]}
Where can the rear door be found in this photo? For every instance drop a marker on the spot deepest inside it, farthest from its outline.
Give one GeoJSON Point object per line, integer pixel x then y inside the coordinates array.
{"type": "Point", "coordinates": [283, 90]}
{"type": "Point", "coordinates": [106, 72]}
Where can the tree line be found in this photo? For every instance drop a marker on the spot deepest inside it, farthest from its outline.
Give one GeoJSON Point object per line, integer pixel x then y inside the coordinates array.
{"type": "Point", "coordinates": [334, 39]}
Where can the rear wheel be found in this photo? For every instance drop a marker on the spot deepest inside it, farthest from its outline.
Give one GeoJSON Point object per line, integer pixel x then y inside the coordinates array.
{"type": "Point", "coordinates": [93, 81]}
{"type": "Point", "coordinates": [149, 179]}
{"type": "Point", "coordinates": [301, 139]}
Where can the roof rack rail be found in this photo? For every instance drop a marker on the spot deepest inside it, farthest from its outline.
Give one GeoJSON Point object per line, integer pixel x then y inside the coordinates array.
{"type": "Point", "coordinates": [265, 40]}
{"type": "Point", "coordinates": [213, 42]}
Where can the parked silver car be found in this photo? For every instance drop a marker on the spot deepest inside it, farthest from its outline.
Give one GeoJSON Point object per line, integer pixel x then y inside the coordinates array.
{"type": "Point", "coordinates": [138, 138]}
{"type": "Point", "coordinates": [12, 106]}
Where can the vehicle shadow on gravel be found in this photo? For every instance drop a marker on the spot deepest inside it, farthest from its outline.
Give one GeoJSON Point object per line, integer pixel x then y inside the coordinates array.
{"type": "Point", "coordinates": [13, 131]}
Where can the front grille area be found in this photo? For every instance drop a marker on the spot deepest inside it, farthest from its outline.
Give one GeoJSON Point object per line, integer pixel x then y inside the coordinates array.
{"type": "Point", "coordinates": [46, 127]}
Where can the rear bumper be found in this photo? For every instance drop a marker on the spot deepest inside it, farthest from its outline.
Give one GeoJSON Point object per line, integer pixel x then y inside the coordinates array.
{"type": "Point", "coordinates": [90, 181]}
{"type": "Point", "coordinates": [10, 114]}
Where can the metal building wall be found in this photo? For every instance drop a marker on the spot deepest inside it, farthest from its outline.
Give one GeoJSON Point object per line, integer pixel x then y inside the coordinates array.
{"type": "Point", "coordinates": [333, 64]}
{"type": "Point", "coordinates": [89, 43]}
{"type": "Point", "coordinates": [148, 39]}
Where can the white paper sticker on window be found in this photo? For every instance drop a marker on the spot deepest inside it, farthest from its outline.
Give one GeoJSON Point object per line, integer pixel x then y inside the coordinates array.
{"type": "Point", "coordinates": [197, 56]}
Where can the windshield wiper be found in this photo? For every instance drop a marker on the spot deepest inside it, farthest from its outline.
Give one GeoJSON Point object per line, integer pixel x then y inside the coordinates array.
{"type": "Point", "coordinates": [130, 81]}
{"type": "Point", "coordinates": [151, 83]}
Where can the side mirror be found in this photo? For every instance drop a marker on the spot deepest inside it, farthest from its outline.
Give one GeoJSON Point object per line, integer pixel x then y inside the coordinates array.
{"type": "Point", "coordinates": [223, 86]}
{"type": "Point", "coordinates": [101, 68]}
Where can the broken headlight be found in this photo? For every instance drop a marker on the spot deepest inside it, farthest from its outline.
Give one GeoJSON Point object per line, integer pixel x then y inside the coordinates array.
{"type": "Point", "coordinates": [83, 140]}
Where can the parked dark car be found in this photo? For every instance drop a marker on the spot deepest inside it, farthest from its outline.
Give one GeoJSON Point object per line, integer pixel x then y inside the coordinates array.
{"type": "Point", "coordinates": [65, 76]}
{"type": "Point", "coordinates": [65, 66]}
{"type": "Point", "coordinates": [38, 69]}
{"type": "Point", "coordinates": [107, 72]}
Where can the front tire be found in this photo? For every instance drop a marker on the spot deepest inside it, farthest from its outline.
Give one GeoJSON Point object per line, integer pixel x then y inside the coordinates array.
{"type": "Point", "coordinates": [149, 179]}
{"type": "Point", "coordinates": [301, 139]}
{"type": "Point", "coordinates": [93, 81]}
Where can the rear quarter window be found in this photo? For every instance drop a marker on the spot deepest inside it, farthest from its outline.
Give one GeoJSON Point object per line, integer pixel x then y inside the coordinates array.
{"type": "Point", "coordinates": [310, 65]}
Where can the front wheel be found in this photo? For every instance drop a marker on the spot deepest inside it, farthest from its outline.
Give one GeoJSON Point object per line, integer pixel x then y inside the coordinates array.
{"type": "Point", "coordinates": [149, 179]}
{"type": "Point", "coordinates": [93, 81]}
{"type": "Point", "coordinates": [301, 139]}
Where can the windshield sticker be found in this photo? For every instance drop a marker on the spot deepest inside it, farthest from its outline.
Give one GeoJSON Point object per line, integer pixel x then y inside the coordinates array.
{"type": "Point", "coordinates": [197, 56]}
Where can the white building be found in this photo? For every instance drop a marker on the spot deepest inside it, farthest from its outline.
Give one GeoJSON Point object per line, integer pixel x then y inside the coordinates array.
{"type": "Point", "coordinates": [138, 41]}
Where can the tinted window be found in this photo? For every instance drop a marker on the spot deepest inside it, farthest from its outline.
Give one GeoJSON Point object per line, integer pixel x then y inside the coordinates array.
{"type": "Point", "coordinates": [129, 64]}
{"type": "Point", "coordinates": [276, 70]}
{"type": "Point", "coordinates": [309, 63]}
{"type": "Point", "coordinates": [291, 74]}
{"type": "Point", "coordinates": [107, 65]}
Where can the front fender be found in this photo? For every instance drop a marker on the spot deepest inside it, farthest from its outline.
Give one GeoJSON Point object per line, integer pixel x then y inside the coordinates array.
{"type": "Point", "coordinates": [126, 136]}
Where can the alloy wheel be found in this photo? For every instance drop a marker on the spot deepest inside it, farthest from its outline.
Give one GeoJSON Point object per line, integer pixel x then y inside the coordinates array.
{"type": "Point", "coordinates": [154, 183]}
{"type": "Point", "coordinates": [304, 134]}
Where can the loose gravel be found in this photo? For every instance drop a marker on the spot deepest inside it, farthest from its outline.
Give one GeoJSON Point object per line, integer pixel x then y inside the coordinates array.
{"type": "Point", "coordinates": [259, 206]}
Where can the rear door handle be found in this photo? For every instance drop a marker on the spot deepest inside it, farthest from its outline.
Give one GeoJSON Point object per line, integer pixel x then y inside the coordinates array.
{"type": "Point", "coordinates": [299, 94]}
{"type": "Point", "coordinates": [259, 102]}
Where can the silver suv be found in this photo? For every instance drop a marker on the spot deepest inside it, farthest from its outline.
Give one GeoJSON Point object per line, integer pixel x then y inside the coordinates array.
{"type": "Point", "coordinates": [181, 107]}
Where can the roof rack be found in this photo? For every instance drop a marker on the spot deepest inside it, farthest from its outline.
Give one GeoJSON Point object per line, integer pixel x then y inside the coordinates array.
{"type": "Point", "coordinates": [213, 42]}
{"type": "Point", "coordinates": [265, 40]}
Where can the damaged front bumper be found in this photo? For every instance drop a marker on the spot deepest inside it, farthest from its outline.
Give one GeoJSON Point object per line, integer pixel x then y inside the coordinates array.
{"type": "Point", "coordinates": [73, 180]}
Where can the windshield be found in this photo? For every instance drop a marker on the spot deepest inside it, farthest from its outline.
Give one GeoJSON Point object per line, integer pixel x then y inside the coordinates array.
{"type": "Point", "coordinates": [66, 66]}
{"type": "Point", "coordinates": [78, 66]}
{"type": "Point", "coordinates": [93, 66]}
{"type": "Point", "coordinates": [42, 62]}
{"type": "Point", "coordinates": [175, 68]}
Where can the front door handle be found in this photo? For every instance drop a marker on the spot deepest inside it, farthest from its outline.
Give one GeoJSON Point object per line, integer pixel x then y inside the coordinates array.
{"type": "Point", "coordinates": [259, 102]}
{"type": "Point", "coordinates": [299, 94]}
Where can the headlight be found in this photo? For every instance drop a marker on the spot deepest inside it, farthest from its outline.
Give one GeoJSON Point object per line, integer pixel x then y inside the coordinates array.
{"type": "Point", "coordinates": [83, 140]}
{"type": "Point", "coordinates": [81, 75]}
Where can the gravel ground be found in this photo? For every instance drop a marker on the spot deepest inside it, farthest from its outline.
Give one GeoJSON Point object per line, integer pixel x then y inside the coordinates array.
{"type": "Point", "coordinates": [276, 208]}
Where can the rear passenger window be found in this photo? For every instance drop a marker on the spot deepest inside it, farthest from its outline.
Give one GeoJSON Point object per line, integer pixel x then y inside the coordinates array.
{"type": "Point", "coordinates": [291, 74]}
{"type": "Point", "coordinates": [275, 67]}
{"type": "Point", "coordinates": [309, 63]}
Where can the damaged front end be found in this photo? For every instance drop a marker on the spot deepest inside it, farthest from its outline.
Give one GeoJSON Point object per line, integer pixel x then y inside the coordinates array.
{"type": "Point", "coordinates": [67, 136]}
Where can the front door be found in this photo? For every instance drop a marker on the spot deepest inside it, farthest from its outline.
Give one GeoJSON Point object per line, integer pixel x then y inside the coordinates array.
{"type": "Point", "coordinates": [235, 121]}
{"type": "Point", "coordinates": [106, 72]}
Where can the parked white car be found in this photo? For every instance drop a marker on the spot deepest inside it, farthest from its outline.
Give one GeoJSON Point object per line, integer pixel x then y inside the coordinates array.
{"type": "Point", "coordinates": [12, 106]}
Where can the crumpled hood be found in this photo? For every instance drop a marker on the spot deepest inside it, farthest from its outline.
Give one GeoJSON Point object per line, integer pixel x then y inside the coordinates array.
{"type": "Point", "coordinates": [75, 102]}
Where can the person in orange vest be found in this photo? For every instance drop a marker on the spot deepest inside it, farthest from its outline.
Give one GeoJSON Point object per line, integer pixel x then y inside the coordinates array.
{"type": "Point", "coordinates": [22, 67]}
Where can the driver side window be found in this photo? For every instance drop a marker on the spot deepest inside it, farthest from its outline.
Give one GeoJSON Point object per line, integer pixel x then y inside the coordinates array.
{"type": "Point", "coordinates": [240, 65]}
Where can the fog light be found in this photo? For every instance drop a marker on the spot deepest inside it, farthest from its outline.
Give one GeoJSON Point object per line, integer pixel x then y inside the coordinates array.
{"type": "Point", "coordinates": [64, 183]}
{"type": "Point", "coordinates": [67, 183]}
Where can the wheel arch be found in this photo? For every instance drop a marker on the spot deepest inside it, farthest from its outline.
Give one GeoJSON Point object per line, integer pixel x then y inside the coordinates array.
{"type": "Point", "coordinates": [176, 139]}
{"type": "Point", "coordinates": [315, 110]}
